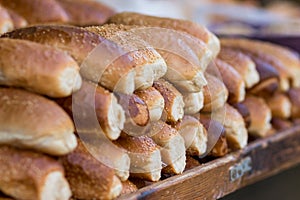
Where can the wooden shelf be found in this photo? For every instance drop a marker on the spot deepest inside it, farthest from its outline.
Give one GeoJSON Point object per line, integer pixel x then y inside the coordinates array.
{"type": "Point", "coordinates": [214, 179]}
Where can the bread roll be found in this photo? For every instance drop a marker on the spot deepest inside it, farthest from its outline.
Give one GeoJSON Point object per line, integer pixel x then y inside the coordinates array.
{"type": "Point", "coordinates": [260, 115]}
{"type": "Point", "coordinates": [235, 130]}
{"type": "Point", "coordinates": [172, 147]}
{"type": "Point", "coordinates": [242, 64]}
{"type": "Point", "coordinates": [244, 111]}
{"type": "Point", "coordinates": [280, 124]}
{"type": "Point", "coordinates": [154, 101]}
{"type": "Point", "coordinates": [18, 21]}
{"type": "Point", "coordinates": [185, 26]}
{"type": "Point", "coordinates": [232, 80]}
{"type": "Point", "coordinates": [128, 187]}
{"type": "Point", "coordinates": [109, 113]}
{"type": "Point", "coordinates": [193, 102]}
{"type": "Point", "coordinates": [34, 10]}
{"type": "Point", "coordinates": [215, 94]}
{"type": "Point", "coordinates": [96, 56]}
{"type": "Point", "coordinates": [30, 175]}
{"type": "Point", "coordinates": [268, 78]}
{"type": "Point", "coordinates": [34, 122]}
{"type": "Point", "coordinates": [280, 105]}
{"type": "Point", "coordinates": [194, 135]}
{"type": "Point", "coordinates": [293, 95]}
{"type": "Point", "coordinates": [217, 144]}
{"type": "Point", "coordinates": [6, 23]}
{"type": "Point", "coordinates": [38, 68]}
{"type": "Point", "coordinates": [86, 12]}
{"type": "Point", "coordinates": [280, 58]}
{"type": "Point", "coordinates": [174, 105]}
{"type": "Point", "coordinates": [148, 63]}
{"type": "Point", "coordinates": [88, 177]}
{"type": "Point", "coordinates": [144, 155]}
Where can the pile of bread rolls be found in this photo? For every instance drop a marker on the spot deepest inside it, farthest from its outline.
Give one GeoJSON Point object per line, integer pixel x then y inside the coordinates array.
{"type": "Point", "coordinates": [101, 111]}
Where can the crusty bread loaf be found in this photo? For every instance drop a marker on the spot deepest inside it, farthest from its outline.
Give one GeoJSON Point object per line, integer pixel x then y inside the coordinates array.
{"type": "Point", "coordinates": [154, 101]}
{"type": "Point", "coordinates": [193, 102]}
{"type": "Point", "coordinates": [231, 78]}
{"type": "Point", "coordinates": [242, 64]}
{"type": "Point", "coordinates": [148, 63]}
{"type": "Point", "coordinates": [194, 135]}
{"type": "Point", "coordinates": [144, 155]}
{"type": "Point", "coordinates": [172, 147]}
{"type": "Point", "coordinates": [42, 69]}
{"type": "Point", "coordinates": [34, 122]}
{"type": "Point", "coordinates": [174, 105]}
{"type": "Point", "coordinates": [215, 94]}
{"type": "Point", "coordinates": [95, 55]}
{"type": "Point", "coordinates": [34, 10]}
{"type": "Point", "coordinates": [260, 115]}
{"type": "Point", "coordinates": [30, 175]}
{"type": "Point", "coordinates": [6, 23]}
{"type": "Point", "coordinates": [280, 58]}
{"type": "Point", "coordinates": [18, 21]}
{"type": "Point", "coordinates": [186, 26]}
{"type": "Point", "coordinates": [95, 99]}
{"type": "Point", "coordinates": [293, 95]}
{"type": "Point", "coordinates": [280, 105]}
{"type": "Point", "coordinates": [88, 177]}
{"type": "Point", "coordinates": [86, 12]}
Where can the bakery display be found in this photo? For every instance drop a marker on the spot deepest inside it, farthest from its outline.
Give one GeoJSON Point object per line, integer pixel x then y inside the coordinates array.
{"type": "Point", "coordinates": [98, 105]}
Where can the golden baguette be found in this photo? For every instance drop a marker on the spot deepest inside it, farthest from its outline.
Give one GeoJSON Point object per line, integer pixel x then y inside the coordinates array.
{"type": "Point", "coordinates": [174, 105]}
{"type": "Point", "coordinates": [172, 147]}
{"type": "Point", "coordinates": [88, 177]}
{"type": "Point", "coordinates": [6, 23]}
{"type": "Point", "coordinates": [34, 10]}
{"type": "Point", "coordinates": [283, 60]}
{"type": "Point", "coordinates": [95, 99]}
{"type": "Point", "coordinates": [95, 55]}
{"type": "Point", "coordinates": [215, 94]}
{"type": "Point", "coordinates": [194, 135]}
{"type": "Point", "coordinates": [86, 12]}
{"type": "Point", "coordinates": [31, 121]}
{"type": "Point", "coordinates": [242, 64]}
{"type": "Point", "coordinates": [145, 156]}
{"type": "Point", "coordinates": [186, 26]}
{"type": "Point", "coordinates": [39, 68]}
{"type": "Point", "coordinates": [31, 175]}
{"type": "Point", "coordinates": [260, 118]}
{"type": "Point", "coordinates": [154, 101]}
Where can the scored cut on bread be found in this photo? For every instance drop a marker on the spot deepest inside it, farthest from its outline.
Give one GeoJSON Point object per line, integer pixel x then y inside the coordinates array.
{"type": "Point", "coordinates": [86, 12]}
{"type": "Point", "coordinates": [31, 121]}
{"type": "Point", "coordinates": [148, 63]}
{"type": "Point", "coordinates": [31, 175]}
{"type": "Point", "coordinates": [242, 64]}
{"type": "Point", "coordinates": [95, 55]}
{"type": "Point", "coordinates": [215, 94]}
{"type": "Point", "coordinates": [39, 68]}
{"type": "Point", "coordinates": [6, 22]}
{"type": "Point", "coordinates": [260, 115]}
{"type": "Point", "coordinates": [144, 155]}
{"type": "Point", "coordinates": [154, 101]}
{"type": "Point", "coordinates": [172, 147]}
{"type": "Point", "coordinates": [92, 98]}
{"type": "Point", "coordinates": [88, 177]}
{"type": "Point", "coordinates": [194, 135]}
{"type": "Point", "coordinates": [34, 10]}
{"type": "Point", "coordinates": [174, 104]}
{"type": "Point", "coordinates": [231, 78]}
{"type": "Point", "coordinates": [192, 28]}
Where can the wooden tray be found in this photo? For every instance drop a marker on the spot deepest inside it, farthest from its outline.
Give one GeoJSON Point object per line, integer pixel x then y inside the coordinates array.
{"type": "Point", "coordinates": [215, 179]}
